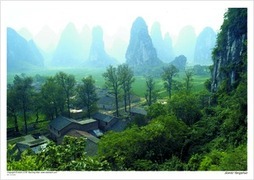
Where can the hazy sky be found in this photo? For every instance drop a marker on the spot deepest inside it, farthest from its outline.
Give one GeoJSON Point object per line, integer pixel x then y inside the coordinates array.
{"type": "Point", "coordinates": [113, 15]}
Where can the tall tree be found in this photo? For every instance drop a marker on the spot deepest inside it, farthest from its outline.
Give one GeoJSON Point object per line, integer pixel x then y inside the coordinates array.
{"type": "Point", "coordinates": [87, 94]}
{"type": "Point", "coordinates": [23, 90]}
{"type": "Point", "coordinates": [150, 95]}
{"type": "Point", "coordinates": [37, 104]}
{"type": "Point", "coordinates": [112, 81]}
{"type": "Point", "coordinates": [52, 98]}
{"type": "Point", "coordinates": [126, 78]}
{"type": "Point", "coordinates": [188, 80]}
{"type": "Point", "coordinates": [168, 74]}
{"type": "Point", "coordinates": [12, 105]}
{"type": "Point", "coordinates": [67, 82]}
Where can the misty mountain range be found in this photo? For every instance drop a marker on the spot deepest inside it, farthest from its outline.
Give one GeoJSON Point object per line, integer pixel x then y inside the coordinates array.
{"type": "Point", "coordinates": [22, 54]}
{"type": "Point", "coordinates": [87, 48]}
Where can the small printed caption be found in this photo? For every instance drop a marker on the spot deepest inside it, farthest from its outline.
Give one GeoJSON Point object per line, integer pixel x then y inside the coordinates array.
{"type": "Point", "coordinates": [14, 173]}
{"type": "Point", "coordinates": [237, 172]}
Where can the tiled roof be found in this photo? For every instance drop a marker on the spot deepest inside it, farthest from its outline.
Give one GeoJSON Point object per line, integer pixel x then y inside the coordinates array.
{"type": "Point", "coordinates": [102, 117]}
{"type": "Point", "coordinates": [60, 122]}
{"type": "Point", "coordinates": [86, 121]}
{"type": "Point", "coordinates": [106, 100]}
{"type": "Point", "coordinates": [119, 126]}
{"type": "Point", "coordinates": [78, 133]}
{"type": "Point", "coordinates": [29, 141]}
{"type": "Point", "coordinates": [138, 111]}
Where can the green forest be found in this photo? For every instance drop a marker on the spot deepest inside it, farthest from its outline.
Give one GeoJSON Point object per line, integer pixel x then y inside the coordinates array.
{"type": "Point", "coordinates": [193, 131]}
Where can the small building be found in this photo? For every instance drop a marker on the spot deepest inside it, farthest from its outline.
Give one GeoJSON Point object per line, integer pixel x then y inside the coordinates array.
{"type": "Point", "coordinates": [91, 141]}
{"type": "Point", "coordinates": [30, 142]}
{"type": "Point", "coordinates": [120, 125]}
{"type": "Point", "coordinates": [62, 125]}
{"type": "Point", "coordinates": [138, 112]}
{"type": "Point", "coordinates": [105, 121]}
{"type": "Point", "coordinates": [106, 102]}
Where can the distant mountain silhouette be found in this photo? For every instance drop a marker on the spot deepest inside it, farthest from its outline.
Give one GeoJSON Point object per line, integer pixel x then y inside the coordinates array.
{"type": "Point", "coordinates": [98, 56]}
{"type": "Point", "coordinates": [186, 43]}
{"type": "Point", "coordinates": [86, 40]}
{"type": "Point", "coordinates": [25, 33]}
{"type": "Point", "coordinates": [163, 47]}
{"type": "Point", "coordinates": [179, 62]}
{"type": "Point", "coordinates": [204, 46]}
{"type": "Point", "coordinates": [118, 49]}
{"type": "Point", "coordinates": [46, 39]}
{"type": "Point", "coordinates": [69, 52]}
{"type": "Point", "coordinates": [169, 51]}
{"type": "Point", "coordinates": [140, 51]}
{"type": "Point", "coordinates": [22, 55]}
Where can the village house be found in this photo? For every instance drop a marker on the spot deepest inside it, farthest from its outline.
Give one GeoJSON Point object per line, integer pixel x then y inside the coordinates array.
{"type": "Point", "coordinates": [138, 112]}
{"type": "Point", "coordinates": [91, 141]}
{"type": "Point", "coordinates": [62, 125]}
{"type": "Point", "coordinates": [105, 121]}
{"type": "Point", "coordinates": [120, 125]}
{"type": "Point", "coordinates": [107, 101]}
{"type": "Point", "coordinates": [35, 143]}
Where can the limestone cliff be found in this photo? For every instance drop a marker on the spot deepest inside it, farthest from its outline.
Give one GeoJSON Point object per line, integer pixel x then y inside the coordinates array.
{"type": "Point", "coordinates": [185, 44]}
{"type": "Point", "coordinates": [230, 53]}
{"type": "Point", "coordinates": [204, 46]}
{"type": "Point", "coordinates": [179, 62]}
{"type": "Point", "coordinates": [98, 56]}
{"type": "Point", "coordinates": [162, 45]}
{"type": "Point", "coordinates": [140, 51]}
{"type": "Point", "coordinates": [68, 52]}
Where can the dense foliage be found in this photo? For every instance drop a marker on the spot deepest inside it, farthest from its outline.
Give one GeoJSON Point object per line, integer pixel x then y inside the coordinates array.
{"type": "Point", "coordinates": [20, 93]}
{"type": "Point", "coordinates": [87, 96]}
{"type": "Point", "coordinates": [154, 143]}
{"type": "Point", "coordinates": [70, 155]}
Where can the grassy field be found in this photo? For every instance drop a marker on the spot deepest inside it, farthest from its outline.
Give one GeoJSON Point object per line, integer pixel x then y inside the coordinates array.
{"type": "Point", "coordinates": [139, 86]}
{"type": "Point", "coordinates": [79, 73]}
